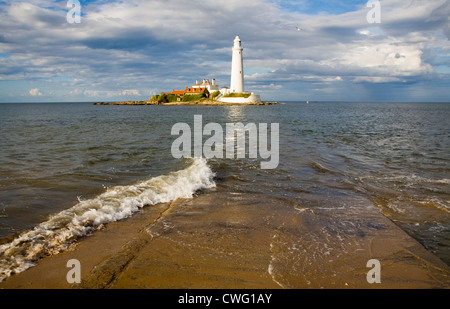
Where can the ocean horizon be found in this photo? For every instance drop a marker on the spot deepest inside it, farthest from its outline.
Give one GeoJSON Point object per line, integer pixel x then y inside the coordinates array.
{"type": "Point", "coordinates": [271, 100]}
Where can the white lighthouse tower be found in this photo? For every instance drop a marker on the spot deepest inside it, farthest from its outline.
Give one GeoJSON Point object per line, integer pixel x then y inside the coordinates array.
{"type": "Point", "coordinates": [237, 67]}
{"type": "Point", "coordinates": [237, 80]}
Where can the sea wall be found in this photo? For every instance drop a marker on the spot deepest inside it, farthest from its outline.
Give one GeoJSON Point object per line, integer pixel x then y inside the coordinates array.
{"type": "Point", "coordinates": [253, 98]}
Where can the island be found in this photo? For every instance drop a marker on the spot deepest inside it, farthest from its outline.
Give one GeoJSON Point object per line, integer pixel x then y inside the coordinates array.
{"type": "Point", "coordinates": [208, 92]}
{"type": "Point", "coordinates": [205, 102]}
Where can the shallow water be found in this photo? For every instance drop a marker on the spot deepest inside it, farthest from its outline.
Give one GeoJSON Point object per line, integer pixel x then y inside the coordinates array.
{"type": "Point", "coordinates": [55, 157]}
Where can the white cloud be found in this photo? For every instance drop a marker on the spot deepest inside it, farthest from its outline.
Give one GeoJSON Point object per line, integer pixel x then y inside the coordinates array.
{"type": "Point", "coordinates": [33, 15]}
{"type": "Point", "coordinates": [390, 58]}
{"type": "Point", "coordinates": [377, 79]}
{"type": "Point", "coordinates": [319, 78]}
{"type": "Point", "coordinates": [271, 86]}
{"type": "Point", "coordinates": [111, 93]}
{"type": "Point", "coordinates": [131, 92]}
{"type": "Point", "coordinates": [94, 93]}
{"type": "Point", "coordinates": [35, 92]}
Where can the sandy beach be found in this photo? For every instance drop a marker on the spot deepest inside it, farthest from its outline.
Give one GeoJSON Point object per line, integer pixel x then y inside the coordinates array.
{"type": "Point", "coordinates": [225, 240]}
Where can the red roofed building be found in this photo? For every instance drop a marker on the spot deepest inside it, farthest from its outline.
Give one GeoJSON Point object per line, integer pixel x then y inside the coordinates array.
{"type": "Point", "coordinates": [197, 88]}
{"type": "Point", "coordinates": [177, 92]}
{"type": "Point", "coordinates": [193, 90]}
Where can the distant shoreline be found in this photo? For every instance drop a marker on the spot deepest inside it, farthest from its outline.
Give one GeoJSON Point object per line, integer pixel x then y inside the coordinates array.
{"type": "Point", "coordinates": [201, 102]}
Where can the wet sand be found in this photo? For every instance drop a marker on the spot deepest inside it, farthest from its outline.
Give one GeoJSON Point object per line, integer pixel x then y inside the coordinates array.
{"type": "Point", "coordinates": [231, 240]}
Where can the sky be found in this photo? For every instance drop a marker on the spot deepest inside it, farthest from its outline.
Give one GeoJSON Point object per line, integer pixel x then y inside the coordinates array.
{"type": "Point", "coordinates": [130, 50]}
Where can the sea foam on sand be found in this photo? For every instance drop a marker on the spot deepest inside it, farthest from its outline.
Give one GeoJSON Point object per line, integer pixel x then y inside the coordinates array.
{"type": "Point", "coordinates": [60, 231]}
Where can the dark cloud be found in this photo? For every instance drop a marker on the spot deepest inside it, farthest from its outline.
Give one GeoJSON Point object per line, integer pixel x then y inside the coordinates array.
{"type": "Point", "coordinates": [343, 34]}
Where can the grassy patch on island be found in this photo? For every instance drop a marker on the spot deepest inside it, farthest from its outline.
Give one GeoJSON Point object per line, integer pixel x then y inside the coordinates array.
{"type": "Point", "coordinates": [193, 97]}
{"type": "Point", "coordinates": [237, 95]}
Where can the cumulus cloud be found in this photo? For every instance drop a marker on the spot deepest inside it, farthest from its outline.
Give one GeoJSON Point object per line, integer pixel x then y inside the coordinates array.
{"type": "Point", "coordinates": [109, 94]}
{"type": "Point", "coordinates": [139, 45]}
{"type": "Point", "coordinates": [377, 79]}
{"type": "Point", "coordinates": [35, 92]}
{"type": "Point", "coordinates": [131, 92]}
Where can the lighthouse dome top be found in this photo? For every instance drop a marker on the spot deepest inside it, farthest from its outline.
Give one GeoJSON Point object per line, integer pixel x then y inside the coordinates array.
{"type": "Point", "coordinates": [237, 41]}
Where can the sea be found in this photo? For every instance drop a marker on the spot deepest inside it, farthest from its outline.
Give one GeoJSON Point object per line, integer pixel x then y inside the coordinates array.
{"type": "Point", "coordinates": [68, 169]}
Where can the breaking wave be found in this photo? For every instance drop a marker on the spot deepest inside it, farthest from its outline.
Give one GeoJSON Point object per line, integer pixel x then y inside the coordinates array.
{"type": "Point", "coordinates": [61, 230]}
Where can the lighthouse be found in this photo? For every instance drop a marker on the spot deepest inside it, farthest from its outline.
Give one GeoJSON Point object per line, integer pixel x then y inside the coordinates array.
{"type": "Point", "coordinates": [236, 93]}
{"type": "Point", "coordinates": [237, 67]}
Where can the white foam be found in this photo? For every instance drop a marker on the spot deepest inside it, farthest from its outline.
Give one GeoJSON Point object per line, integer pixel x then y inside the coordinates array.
{"type": "Point", "coordinates": [436, 203]}
{"type": "Point", "coordinates": [59, 232]}
{"type": "Point", "coordinates": [409, 179]}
